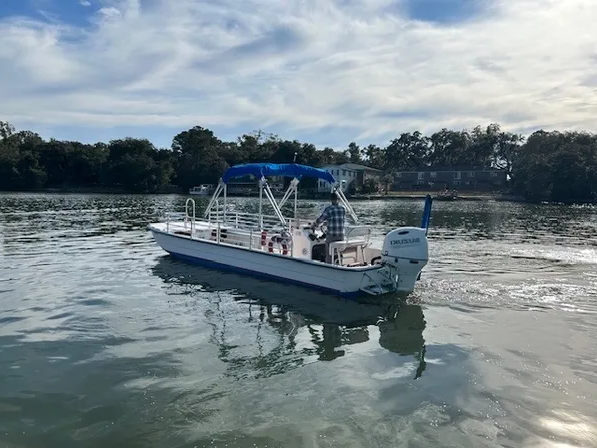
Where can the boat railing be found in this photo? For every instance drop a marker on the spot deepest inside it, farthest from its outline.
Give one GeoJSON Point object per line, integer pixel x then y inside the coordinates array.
{"type": "Point", "coordinates": [189, 214]}
{"type": "Point", "coordinates": [275, 242]}
{"type": "Point", "coordinates": [243, 220]}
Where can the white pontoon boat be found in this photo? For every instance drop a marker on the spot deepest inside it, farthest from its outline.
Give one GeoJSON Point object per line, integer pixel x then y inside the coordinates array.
{"type": "Point", "coordinates": [202, 190]}
{"type": "Point", "coordinates": [285, 249]}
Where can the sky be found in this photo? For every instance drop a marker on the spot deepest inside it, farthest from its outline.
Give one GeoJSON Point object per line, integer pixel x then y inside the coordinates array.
{"type": "Point", "coordinates": [326, 72]}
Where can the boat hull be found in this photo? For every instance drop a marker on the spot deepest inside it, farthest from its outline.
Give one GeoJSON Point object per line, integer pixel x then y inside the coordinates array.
{"type": "Point", "coordinates": [338, 280]}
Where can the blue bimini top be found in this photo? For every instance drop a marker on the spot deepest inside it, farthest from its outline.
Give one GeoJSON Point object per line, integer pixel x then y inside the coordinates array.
{"type": "Point", "coordinates": [277, 169]}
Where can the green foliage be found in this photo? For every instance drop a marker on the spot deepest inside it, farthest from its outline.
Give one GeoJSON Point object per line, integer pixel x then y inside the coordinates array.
{"type": "Point", "coordinates": [549, 166]}
{"type": "Point", "coordinates": [369, 186]}
{"type": "Point", "coordinates": [408, 151]}
{"type": "Point", "coordinates": [557, 167]}
{"type": "Point", "coordinates": [387, 181]}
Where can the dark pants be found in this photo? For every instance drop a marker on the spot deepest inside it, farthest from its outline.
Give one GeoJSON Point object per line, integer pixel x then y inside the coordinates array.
{"type": "Point", "coordinates": [330, 239]}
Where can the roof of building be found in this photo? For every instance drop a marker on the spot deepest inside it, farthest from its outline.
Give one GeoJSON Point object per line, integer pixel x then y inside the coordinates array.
{"type": "Point", "coordinates": [353, 166]}
{"type": "Point", "coordinates": [335, 167]}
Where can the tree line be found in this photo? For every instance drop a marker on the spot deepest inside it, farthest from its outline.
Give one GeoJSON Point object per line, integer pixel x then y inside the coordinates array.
{"type": "Point", "coordinates": [546, 166]}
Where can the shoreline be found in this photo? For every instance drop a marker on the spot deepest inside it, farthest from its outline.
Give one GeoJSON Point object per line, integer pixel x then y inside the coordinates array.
{"type": "Point", "coordinates": [467, 196]}
{"type": "Point", "coordinates": [394, 195]}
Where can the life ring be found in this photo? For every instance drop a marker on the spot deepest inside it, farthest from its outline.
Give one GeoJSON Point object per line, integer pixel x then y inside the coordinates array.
{"type": "Point", "coordinates": [279, 240]}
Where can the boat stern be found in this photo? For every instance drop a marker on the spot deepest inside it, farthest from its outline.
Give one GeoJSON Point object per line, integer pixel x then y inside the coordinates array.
{"type": "Point", "coordinates": [405, 253]}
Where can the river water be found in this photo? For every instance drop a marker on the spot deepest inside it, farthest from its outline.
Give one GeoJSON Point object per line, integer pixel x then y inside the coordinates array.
{"type": "Point", "coordinates": [107, 342]}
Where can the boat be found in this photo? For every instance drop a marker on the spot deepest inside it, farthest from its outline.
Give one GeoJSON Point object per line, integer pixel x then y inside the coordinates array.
{"type": "Point", "coordinates": [284, 248]}
{"type": "Point", "coordinates": [447, 195]}
{"type": "Point", "coordinates": [202, 190]}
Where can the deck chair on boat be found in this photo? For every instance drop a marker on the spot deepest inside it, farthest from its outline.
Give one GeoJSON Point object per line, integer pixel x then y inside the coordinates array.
{"type": "Point", "coordinates": [347, 251]}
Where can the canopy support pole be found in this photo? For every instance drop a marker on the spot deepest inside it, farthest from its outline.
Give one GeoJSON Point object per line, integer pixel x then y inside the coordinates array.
{"type": "Point", "coordinates": [291, 188]}
{"type": "Point", "coordinates": [272, 200]}
{"type": "Point", "coordinates": [295, 196]}
{"type": "Point", "coordinates": [225, 191]}
{"type": "Point", "coordinates": [345, 203]}
{"type": "Point", "coordinates": [261, 203]}
{"type": "Point", "coordinates": [214, 197]}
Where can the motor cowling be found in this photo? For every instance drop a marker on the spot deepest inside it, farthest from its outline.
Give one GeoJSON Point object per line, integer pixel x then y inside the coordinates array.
{"type": "Point", "coordinates": [407, 251]}
{"type": "Point", "coordinates": [406, 243]}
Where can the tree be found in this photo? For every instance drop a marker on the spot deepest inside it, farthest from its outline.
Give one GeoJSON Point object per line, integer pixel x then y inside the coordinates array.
{"type": "Point", "coordinates": [560, 167]}
{"type": "Point", "coordinates": [9, 157]}
{"type": "Point", "coordinates": [408, 151]}
{"type": "Point", "coordinates": [450, 148]}
{"type": "Point", "coordinates": [506, 150]}
{"type": "Point", "coordinates": [387, 181]}
{"type": "Point", "coordinates": [548, 166]}
{"type": "Point", "coordinates": [199, 159]}
{"type": "Point", "coordinates": [6, 130]}
{"type": "Point", "coordinates": [131, 164]}
{"type": "Point", "coordinates": [482, 147]}
{"type": "Point", "coordinates": [354, 153]}
{"type": "Point", "coordinates": [369, 186]}
{"type": "Point", "coordinates": [374, 156]}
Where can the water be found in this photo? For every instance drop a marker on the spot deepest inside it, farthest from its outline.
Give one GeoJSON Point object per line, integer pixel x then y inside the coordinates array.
{"type": "Point", "coordinates": [106, 341]}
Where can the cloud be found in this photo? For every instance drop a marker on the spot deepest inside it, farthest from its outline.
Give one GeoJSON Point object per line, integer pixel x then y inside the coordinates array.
{"type": "Point", "coordinates": [84, 3]}
{"type": "Point", "coordinates": [109, 12]}
{"type": "Point", "coordinates": [367, 69]}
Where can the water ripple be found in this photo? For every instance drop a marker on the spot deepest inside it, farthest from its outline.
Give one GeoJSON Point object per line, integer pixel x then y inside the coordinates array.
{"type": "Point", "coordinates": [104, 340]}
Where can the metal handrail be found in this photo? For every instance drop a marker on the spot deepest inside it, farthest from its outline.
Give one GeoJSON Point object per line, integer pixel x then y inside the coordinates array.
{"type": "Point", "coordinates": [244, 220]}
{"type": "Point", "coordinates": [239, 227]}
{"type": "Point", "coordinates": [186, 214]}
{"type": "Point", "coordinates": [248, 237]}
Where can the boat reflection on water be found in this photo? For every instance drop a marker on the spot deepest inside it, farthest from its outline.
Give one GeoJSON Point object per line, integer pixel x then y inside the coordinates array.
{"type": "Point", "coordinates": [331, 323]}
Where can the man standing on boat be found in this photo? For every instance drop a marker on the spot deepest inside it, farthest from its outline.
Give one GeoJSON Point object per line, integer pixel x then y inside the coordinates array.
{"type": "Point", "coordinates": [335, 215]}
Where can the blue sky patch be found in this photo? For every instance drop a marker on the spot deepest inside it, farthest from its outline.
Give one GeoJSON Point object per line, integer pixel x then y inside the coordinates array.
{"type": "Point", "coordinates": [444, 11]}
{"type": "Point", "coordinates": [72, 12]}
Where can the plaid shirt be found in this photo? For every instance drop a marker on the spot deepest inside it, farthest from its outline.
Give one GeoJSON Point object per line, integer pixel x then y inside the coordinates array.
{"type": "Point", "coordinates": [335, 216]}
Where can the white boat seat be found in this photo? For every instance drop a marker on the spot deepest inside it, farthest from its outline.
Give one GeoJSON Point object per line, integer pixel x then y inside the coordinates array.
{"type": "Point", "coordinates": [337, 249]}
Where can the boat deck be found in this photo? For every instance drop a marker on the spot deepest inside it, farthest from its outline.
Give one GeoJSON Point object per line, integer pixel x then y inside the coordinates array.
{"type": "Point", "coordinates": [353, 252]}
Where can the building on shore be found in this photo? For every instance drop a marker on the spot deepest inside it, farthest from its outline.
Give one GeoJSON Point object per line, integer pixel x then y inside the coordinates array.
{"type": "Point", "coordinates": [352, 176]}
{"type": "Point", "coordinates": [451, 178]}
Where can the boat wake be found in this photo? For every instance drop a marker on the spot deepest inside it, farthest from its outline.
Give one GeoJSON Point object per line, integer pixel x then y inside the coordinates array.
{"type": "Point", "coordinates": [566, 255]}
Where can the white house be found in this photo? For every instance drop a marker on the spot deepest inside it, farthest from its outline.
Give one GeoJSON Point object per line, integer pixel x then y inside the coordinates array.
{"type": "Point", "coordinates": [341, 173]}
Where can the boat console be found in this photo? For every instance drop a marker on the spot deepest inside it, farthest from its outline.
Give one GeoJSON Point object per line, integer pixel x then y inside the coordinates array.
{"type": "Point", "coordinates": [309, 244]}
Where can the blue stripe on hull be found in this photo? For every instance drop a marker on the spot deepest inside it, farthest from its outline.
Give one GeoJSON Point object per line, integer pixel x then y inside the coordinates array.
{"type": "Point", "coordinates": [226, 267]}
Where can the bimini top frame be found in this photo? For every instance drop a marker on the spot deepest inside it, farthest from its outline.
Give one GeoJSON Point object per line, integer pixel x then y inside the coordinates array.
{"type": "Point", "coordinates": [260, 170]}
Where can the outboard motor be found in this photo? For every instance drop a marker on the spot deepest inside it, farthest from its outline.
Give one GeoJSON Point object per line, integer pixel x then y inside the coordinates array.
{"type": "Point", "coordinates": [407, 250]}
